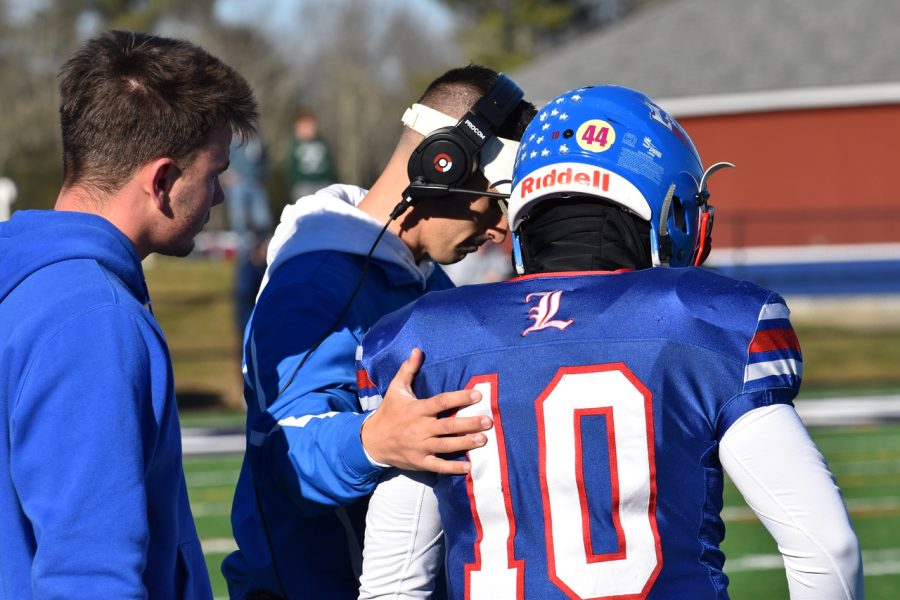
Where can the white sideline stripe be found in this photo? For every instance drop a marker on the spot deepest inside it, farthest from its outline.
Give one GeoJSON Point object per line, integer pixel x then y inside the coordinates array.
{"type": "Point", "coordinates": [862, 410]}
{"type": "Point", "coordinates": [813, 253]}
{"type": "Point", "coordinates": [203, 442]}
{"type": "Point", "coordinates": [875, 562]}
{"type": "Point", "coordinates": [218, 545]}
{"type": "Point", "coordinates": [857, 506]}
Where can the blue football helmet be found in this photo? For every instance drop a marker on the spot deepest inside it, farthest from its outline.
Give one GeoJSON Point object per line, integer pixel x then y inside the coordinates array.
{"type": "Point", "coordinates": [616, 143]}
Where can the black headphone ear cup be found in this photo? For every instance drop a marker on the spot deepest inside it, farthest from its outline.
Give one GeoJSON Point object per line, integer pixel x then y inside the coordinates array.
{"type": "Point", "coordinates": [449, 156]}
{"type": "Point", "coordinates": [442, 158]}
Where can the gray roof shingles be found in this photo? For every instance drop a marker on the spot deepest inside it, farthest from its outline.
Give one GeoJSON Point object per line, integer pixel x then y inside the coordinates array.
{"type": "Point", "coordinates": [684, 48]}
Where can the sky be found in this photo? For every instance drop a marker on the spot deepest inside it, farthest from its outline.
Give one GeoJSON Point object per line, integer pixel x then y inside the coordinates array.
{"type": "Point", "coordinates": [279, 16]}
{"type": "Point", "coordinates": [19, 10]}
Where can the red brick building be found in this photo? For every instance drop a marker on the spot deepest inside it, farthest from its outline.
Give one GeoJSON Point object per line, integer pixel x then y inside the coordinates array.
{"type": "Point", "coordinates": [814, 166]}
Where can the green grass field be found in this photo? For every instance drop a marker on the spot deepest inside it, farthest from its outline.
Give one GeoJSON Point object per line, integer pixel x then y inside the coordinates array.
{"type": "Point", "coordinates": [865, 461]}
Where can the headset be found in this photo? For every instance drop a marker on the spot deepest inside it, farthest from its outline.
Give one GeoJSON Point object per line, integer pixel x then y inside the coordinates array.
{"type": "Point", "coordinates": [450, 154]}
{"type": "Point", "coordinates": [453, 151]}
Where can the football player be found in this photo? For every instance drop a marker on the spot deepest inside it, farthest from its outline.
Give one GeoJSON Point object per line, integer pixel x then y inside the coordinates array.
{"type": "Point", "coordinates": [620, 390]}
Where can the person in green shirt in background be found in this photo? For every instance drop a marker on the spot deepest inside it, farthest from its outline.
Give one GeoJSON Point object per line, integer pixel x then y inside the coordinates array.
{"type": "Point", "coordinates": [310, 166]}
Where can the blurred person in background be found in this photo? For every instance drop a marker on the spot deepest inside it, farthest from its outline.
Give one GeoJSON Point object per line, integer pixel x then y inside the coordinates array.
{"type": "Point", "coordinates": [250, 218]}
{"type": "Point", "coordinates": [246, 199]}
{"type": "Point", "coordinates": [310, 165]}
{"type": "Point", "coordinates": [250, 268]}
{"type": "Point", "coordinates": [93, 502]}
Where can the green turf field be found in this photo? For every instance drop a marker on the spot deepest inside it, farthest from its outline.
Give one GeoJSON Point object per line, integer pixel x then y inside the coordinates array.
{"type": "Point", "coordinates": [865, 461]}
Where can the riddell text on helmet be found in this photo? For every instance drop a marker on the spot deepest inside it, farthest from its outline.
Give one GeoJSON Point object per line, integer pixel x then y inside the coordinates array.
{"type": "Point", "coordinates": [594, 178]}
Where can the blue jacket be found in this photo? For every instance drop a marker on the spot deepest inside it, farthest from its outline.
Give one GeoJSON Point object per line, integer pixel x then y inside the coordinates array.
{"type": "Point", "coordinates": [305, 481]}
{"type": "Point", "coordinates": [93, 502]}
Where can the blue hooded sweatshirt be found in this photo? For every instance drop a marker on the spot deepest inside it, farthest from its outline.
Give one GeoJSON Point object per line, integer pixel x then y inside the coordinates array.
{"type": "Point", "coordinates": [93, 502]}
{"type": "Point", "coordinates": [299, 508]}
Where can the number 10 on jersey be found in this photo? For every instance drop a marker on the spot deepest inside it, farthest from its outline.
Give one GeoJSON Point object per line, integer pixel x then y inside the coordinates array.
{"type": "Point", "coordinates": [609, 391]}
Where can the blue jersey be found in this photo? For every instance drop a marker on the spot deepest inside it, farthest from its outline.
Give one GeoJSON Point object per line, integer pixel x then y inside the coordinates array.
{"type": "Point", "coordinates": [610, 393]}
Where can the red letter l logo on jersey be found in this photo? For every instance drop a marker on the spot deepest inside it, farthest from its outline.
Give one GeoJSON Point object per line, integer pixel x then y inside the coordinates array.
{"type": "Point", "coordinates": [545, 310]}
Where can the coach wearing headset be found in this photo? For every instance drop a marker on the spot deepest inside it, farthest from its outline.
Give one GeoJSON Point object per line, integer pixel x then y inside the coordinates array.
{"type": "Point", "coordinates": [341, 259]}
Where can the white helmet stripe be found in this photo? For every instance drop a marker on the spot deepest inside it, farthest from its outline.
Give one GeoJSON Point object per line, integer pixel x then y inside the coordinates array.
{"type": "Point", "coordinates": [575, 178]}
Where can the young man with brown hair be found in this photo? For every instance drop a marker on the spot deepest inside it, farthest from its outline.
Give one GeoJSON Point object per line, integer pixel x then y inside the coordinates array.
{"type": "Point", "coordinates": [93, 501]}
